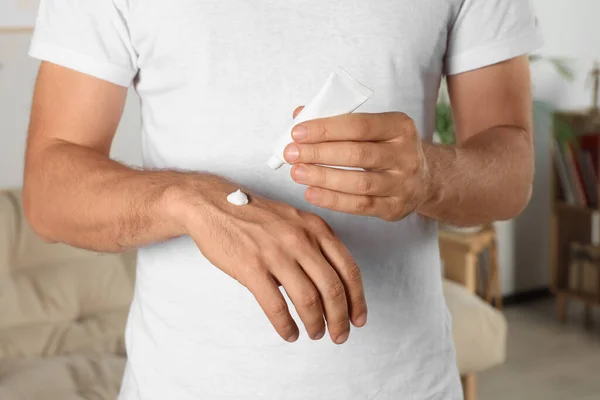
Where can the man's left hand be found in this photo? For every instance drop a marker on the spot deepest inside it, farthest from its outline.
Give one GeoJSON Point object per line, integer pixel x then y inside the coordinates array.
{"type": "Point", "coordinates": [396, 180]}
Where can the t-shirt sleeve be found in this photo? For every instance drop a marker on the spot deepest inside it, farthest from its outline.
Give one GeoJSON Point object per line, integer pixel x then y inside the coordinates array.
{"type": "Point", "coordinates": [89, 36]}
{"type": "Point", "coordinates": [487, 32]}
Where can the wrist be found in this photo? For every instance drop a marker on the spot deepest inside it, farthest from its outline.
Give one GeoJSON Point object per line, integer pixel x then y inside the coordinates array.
{"type": "Point", "coordinates": [173, 204]}
{"type": "Point", "coordinates": [439, 159]}
{"type": "Point", "coordinates": [191, 196]}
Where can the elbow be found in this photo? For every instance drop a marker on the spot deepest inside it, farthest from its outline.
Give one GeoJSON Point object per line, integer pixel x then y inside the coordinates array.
{"type": "Point", "coordinates": [522, 202]}
{"type": "Point", "coordinates": [36, 214]}
{"type": "Point", "coordinates": [520, 189]}
{"type": "Point", "coordinates": [517, 204]}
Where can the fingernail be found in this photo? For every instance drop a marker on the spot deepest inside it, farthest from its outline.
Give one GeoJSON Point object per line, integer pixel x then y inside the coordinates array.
{"type": "Point", "coordinates": [319, 335]}
{"type": "Point", "coordinates": [342, 338]}
{"type": "Point", "coordinates": [299, 133]}
{"type": "Point", "coordinates": [291, 153]}
{"type": "Point", "coordinates": [300, 173]}
{"type": "Point", "coordinates": [294, 337]}
{"type": "Point", "coordinates": [313, 195]}
{"type": "Point", "coordinates": [361, 320]}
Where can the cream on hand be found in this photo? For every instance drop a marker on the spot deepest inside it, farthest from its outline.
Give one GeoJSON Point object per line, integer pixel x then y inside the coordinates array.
{"type": "Point", "coordinates": [341, 94]}
{"type": "Point", "coordinates": [238, 198]}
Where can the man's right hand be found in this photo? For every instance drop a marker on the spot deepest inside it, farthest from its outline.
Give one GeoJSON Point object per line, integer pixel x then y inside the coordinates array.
{"type": "Point", "coordinates": [266, 244]}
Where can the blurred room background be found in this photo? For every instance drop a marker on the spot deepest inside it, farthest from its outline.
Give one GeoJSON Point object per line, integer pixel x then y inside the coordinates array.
{"type": "Point", "coordinates": [552, 342]}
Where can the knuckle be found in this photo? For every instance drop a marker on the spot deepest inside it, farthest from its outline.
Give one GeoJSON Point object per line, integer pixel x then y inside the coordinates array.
{"type": "Point", "coordinates": [254, 260]}
{"type": "Point", "coordinates": [364, 204]}
{"type": "Point", "coordinates": [310, 299]}
{"type": "Point", "coordinates": [278, 309]}
{"type": "Point", "coordinates": [309, 152]}
{"type": "Point", "coordinates": [292, 236]}
{"type": "Point", "coordinates": [399, 120]}
{"type": "Point", "coordinates": [401, 177]}
{"type": "Point", "coordinates": [412, 166]}
{"type": "Point", "coordinates": [365, 184]}
{"type": "Point", "coordinates": [396, 211]}
{"type": "Point", "coordinates": [321, 177]}
{"type": "Point", "coordinates": [317, 223]}
{"type": "Point", "coordinates": [335, 290]}
{"type": "Point", "coordinates": [273, 255]}
{"type": "Point", "coordinates": [390, 154]}
{"type": "Point", "coordinates": [254, 266]}
{"type": "Point", "coordinates": [392, 186]}
{"type": "Point", "coordinates": [321, 131]}
{"type": "Point", "coordinates": [415, 166]}
{"type": "Point", "coordinates": [359, 154]}
{"type": "Point", "coordinates": [389, 216]}
{"type": "Point", "coordinates": [333, 199]}
{"type": "Point", "coordinates": [410, 127]}
{"type": "Point", "coordinates": [253, 280]}
{"type": "Point", "coordinates": [408, 189]}
{"type": "Point", "coordinates": [395, 121]}
{"type": "Point", "coordinates": [354, 274]}
{"type": "Point", "coordinates": [293, 213]}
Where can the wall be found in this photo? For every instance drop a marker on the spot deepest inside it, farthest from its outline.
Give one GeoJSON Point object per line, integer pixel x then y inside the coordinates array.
{"type": "Point", "coordinates": [570, 30]}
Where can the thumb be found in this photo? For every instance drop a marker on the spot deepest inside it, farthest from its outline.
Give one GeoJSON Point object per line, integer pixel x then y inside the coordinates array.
{"type": "Point", "coordinates": [298, 110]}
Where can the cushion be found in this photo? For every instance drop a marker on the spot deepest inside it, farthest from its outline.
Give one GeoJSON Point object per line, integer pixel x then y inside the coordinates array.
{"type": "Point", "coordinates": [55, 299]}
{"type": "Point", "coordinates": [479, 330]}
{"type": "Point", "coordinates": [90, 376]}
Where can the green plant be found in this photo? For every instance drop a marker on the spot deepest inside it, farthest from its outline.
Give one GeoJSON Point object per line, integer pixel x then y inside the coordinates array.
{"type": "Point", "coordinates": [564, 133]}
{"type": "Point", "coordinates": [560, 65]}
{"type": "Point", "coordinates": [444, 124]}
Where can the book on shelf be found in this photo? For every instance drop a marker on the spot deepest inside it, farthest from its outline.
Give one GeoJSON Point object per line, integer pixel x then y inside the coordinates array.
{"type": "Point", "coordinates": [574, 177]}
{"type": "Point", "coordinates": [563, 174]}
{"type": "Point", "coordinates": [590, 142]}
{"type": "Point", "coordinates": [588, 146]}
{"type": "Point", "coordinates": [589, 177]}
{"type": "Point", "coordinates": [577, 171]}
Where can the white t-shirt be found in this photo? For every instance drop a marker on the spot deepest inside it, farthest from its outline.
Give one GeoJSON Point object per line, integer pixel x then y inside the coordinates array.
{"type": "Point", "coordinates": [218, 81]}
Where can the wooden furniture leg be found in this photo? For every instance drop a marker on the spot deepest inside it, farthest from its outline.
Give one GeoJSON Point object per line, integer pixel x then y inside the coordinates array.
{"type": "Point", "coordinates": [498, 283]}
{"type": "Point", "coordinates": [589, 319]}
{"type": "Point", "coordinates": [471, 267]}
{"type": "Point", "coordinates": [490, 285]}
{"type": "Point", "coordinates": [561, 307]}
{"type": "Point", "coordinates": [493, 289]}
{"type": "Point", "coordinates": [469, 384]}
{"type": "Point", "coordinates": [459, 266]}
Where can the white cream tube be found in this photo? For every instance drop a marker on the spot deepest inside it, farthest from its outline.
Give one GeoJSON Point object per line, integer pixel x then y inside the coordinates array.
{"type": "Point", "coordinates": [341, 94]}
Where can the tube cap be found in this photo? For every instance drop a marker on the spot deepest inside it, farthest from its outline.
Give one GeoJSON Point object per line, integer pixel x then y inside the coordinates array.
{"type": "Point", "coordinates": [274, 162]}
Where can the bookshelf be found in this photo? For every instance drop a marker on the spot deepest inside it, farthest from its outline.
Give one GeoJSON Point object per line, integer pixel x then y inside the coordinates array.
{"type": "Point", "coordinates": [571, 221]}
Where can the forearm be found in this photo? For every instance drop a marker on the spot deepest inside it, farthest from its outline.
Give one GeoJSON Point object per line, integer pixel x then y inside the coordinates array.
{"type": "Point", "coordinates": [78, 196]}
{"type": "Point", "coordinates": [486, 179]}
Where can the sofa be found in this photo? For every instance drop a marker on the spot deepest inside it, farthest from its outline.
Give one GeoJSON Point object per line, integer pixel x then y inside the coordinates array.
{"type": "Point", "coordinates": [63, 312]}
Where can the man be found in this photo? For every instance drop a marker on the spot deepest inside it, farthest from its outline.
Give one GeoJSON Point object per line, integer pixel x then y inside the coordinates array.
{"type": "Point", "coordinates": [218, 81]}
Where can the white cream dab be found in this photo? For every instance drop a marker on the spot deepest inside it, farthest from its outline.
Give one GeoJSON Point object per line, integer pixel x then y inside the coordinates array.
{"type": "Point", "coordinates": [238, 198]}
